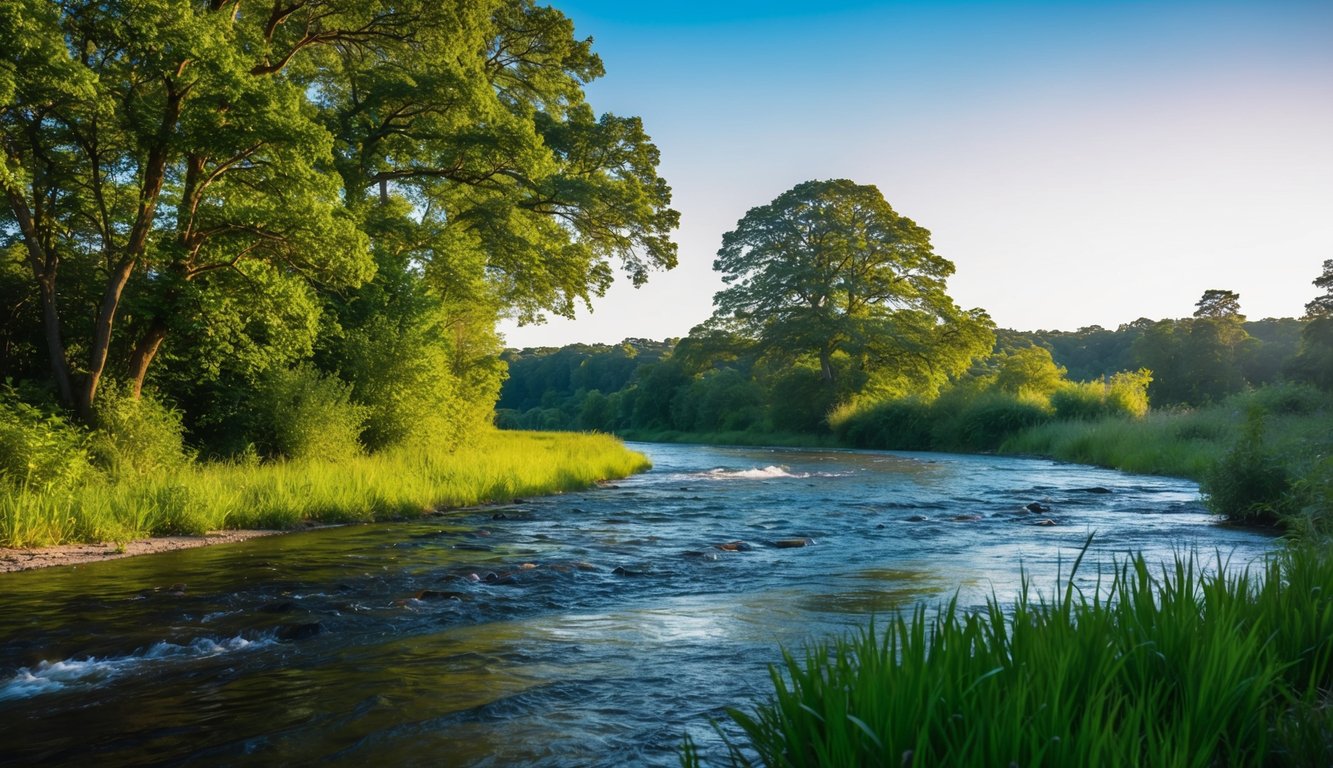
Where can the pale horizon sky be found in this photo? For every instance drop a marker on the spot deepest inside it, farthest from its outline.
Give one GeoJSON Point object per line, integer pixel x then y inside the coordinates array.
{"type": "Point", "coordinates": [1080, 163]}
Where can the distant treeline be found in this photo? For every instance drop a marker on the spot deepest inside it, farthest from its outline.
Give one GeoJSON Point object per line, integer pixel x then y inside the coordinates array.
{"type": "Point", "coordinates": [683, 385]}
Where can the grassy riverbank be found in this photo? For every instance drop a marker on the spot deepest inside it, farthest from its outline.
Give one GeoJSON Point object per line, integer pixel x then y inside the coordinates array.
{"type": "Point", "coordinates": [1177, 668]}
{"type": "Point", "coordinates": [396, 483]}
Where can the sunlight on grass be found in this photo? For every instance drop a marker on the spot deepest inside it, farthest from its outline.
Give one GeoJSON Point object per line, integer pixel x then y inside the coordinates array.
{"type": "Point", "coordinates": [497, 466]}
{"type": "Point", "coordinates": [1172, 668]}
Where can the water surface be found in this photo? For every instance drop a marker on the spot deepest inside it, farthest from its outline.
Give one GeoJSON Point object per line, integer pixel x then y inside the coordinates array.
{"type": "Point", "coordinates": [593, 628]}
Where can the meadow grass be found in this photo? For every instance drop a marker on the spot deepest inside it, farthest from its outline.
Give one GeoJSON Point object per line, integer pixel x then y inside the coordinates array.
{"type": "Point", "coordinates": [1175, 667]}
{"type": "Point", "coordinates": [192, 499]}
{"type": "Point", "coordinates": [1298, 426]}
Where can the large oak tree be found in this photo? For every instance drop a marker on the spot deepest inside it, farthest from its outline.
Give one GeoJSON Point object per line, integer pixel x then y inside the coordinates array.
{"type": "Point", "coordinates": [828, 268]}
{"type": "Point", "coordinates": [198, 170]}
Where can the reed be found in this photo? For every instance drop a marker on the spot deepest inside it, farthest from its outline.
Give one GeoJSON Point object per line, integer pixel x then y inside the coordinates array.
{"type": "Point", "coordinates": [1169, 667]}
{"type": "Point", "coordinates": [192, 499]}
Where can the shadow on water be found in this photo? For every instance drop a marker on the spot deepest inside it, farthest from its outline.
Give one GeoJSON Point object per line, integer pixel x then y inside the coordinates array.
{"type": "Point", "coordinates": [592, 628]}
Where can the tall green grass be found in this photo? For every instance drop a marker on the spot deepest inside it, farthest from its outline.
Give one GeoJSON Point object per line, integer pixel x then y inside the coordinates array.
{"type": "Point", "coordinates": [1172, 668]}
{"type": "Point", "coordinates": [196, 498]}
{"type": "Point", "coordinates": [1297, 424]}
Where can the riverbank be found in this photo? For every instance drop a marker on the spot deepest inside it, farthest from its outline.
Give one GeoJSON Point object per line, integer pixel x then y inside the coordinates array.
{"type": "Point", "coordinates": [497, 466]}
{"type": "Point", "coordinates": [24, 559]}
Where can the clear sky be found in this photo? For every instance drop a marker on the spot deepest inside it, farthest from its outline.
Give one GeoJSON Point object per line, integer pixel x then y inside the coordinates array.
{"type": "Point", "coordinates": [1080, 162]}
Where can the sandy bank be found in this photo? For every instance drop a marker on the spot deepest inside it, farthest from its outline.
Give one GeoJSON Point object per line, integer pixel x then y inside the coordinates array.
{"type": "Point", "coordinates": [76, 554]}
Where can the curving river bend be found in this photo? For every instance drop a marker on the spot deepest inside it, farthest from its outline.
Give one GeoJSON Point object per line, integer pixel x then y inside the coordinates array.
{"type": "Point", "coordinates": [593, 628]}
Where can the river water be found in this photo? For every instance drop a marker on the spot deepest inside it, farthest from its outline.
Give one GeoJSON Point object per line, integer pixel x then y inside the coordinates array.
{"type": "Point", "coordinates": [593, 628]}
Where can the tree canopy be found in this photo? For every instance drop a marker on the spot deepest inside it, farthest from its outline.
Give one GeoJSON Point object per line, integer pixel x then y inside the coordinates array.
{"type": "Point", "coordinates": [829, 269]}
{"type": "Point", "coordinates": [224, 176]}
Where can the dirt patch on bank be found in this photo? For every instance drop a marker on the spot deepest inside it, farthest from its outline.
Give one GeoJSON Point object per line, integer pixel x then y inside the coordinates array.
{"type": "Point", "coordinates": [76, 554]}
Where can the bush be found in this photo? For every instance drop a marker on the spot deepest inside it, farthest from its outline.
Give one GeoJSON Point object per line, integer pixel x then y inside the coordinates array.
{"type": "Point", "coordinates": [984, 422]}
{"type": "Point", "coordinates": [1250, 483]}
{"type": "Point", "coordinates": [136, 437]}
{"type": "Point", "coordinates": [1125, 394]}
{"type": "Point", "coordinates": [1082, 401]}
{"type": "Point", "coordinates": [310, 415]}
{"type": "Point", "coordinates": [894, 424]}
{"type": "Point", "coordinates": [1282, 399]}
{"type": "Point", "coordinates": [37, 449]}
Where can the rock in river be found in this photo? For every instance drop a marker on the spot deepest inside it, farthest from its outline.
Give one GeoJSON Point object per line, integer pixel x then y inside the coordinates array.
{"type": "Point", "coordinates": [793, 543]}
{"type": "Point", "coordinates": [734, 546]}
{"type": "Point", "coordinates": [292, 632]}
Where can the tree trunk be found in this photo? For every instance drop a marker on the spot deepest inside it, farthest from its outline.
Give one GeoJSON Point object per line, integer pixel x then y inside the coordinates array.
{"type": "Point", "coordinates": [144, 354]}
{"type": "Point", "coordinates": [826, 364]}
{"type": "Point", "coordinates": [106, 317]}
{"type": "Point", "coordinates": [135, 246]}
{"type": "Point", "coordinates": [55, 344]}
{"type": "Point", "coordinates": [44, 265]}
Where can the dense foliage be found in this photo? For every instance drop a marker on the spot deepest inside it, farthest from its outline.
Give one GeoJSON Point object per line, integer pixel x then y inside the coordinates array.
{"type": "Point", "coordinates": [302, 218]}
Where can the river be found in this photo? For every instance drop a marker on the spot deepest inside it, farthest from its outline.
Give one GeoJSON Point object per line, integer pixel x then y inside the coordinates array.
{"type": "Point", "coordinates": [593, 628]}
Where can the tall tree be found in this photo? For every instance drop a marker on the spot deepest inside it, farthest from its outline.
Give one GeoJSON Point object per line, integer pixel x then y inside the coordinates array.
{"type": "Point", "coordinates": [1219, 304]}
{"type": "Point", "coordinates": [167, 164]}
{"type": "Point", "coordinates": [1314, 361]}
{"type": "Point", "coordinates": [829, 268]}
{"type": "Point", "coordinates": [1322, 306]}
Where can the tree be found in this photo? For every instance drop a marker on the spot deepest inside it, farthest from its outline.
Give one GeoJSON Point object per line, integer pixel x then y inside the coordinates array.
{"type": "Point", "coordinates": [1219, 304]}
{"type": "Point", "coordinates": [1322, 306]}
{"type": "Point", "coordinates": [1200, 359]}
{"type": "Point", "coordinates": [168, 164]}
{"type": "Point", "coordinates": [1314, 361]}
{"type": "Point", "coordinates": [829, 269]}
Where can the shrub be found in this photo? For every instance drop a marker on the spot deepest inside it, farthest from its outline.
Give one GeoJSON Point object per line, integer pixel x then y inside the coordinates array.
{"type": "Point", "coordinates": [1295, 399]}
{"type": "Point", "coordinates": [136, 437]}
{"type": "Point", "coordinates": [984, 422]}
{"type": "Point", "coordinates": [1250, 483]}
{"type": "Point", "coordinates": [895, 424]}
{"type": "Point", "coordinates": [1127, 392]}
{"type": "Point", "coordinates": [39, 449]}
{"type": "Point", "coordinates": [1083, 401]}
{"type": "Point", "coordinates": [310, 415]}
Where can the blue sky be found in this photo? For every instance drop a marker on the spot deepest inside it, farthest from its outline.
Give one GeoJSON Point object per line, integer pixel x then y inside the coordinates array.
{"type": "Point", "coordinates": [1080, 163]}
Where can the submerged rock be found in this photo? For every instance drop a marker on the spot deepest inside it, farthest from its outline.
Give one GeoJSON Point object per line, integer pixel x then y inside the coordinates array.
{"type": "Point", "coordinates": [437, 594]}
{"type": "Point", "coordinates": [793, 543]}
{"type": "Point", "coordinates": [292, 632]}
{"type": "Point", "coordinates": [917, 519]}
{"type": "Point", "coordinates": [281, 606]}
{"type": "Point", "coordinates": [1037, 508]}
{"type": "Point", "coordinates": [1045, 522]}
{"type": "Point", "coordinates": [734, 546]}
{"type": "Point", "coordinates": [965, 518]}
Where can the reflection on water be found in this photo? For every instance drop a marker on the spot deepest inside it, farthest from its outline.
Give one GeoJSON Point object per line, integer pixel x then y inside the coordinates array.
{"type": "Point", "coordinates": [592, 628]}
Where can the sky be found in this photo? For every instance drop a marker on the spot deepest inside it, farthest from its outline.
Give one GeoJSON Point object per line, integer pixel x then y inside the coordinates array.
{"type": "Point", "coordinates": [1081, 163]}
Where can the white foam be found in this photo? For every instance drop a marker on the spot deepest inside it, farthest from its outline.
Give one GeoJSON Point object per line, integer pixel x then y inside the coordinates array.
{"type": "Point", "coordinates": [766, 473]}
{"type": "Point", "coordinates": [52, 676]}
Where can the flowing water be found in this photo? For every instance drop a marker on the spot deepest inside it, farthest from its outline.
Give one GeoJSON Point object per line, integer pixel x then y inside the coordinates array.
{"type": "Point", "coordinates": [593, 628]}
